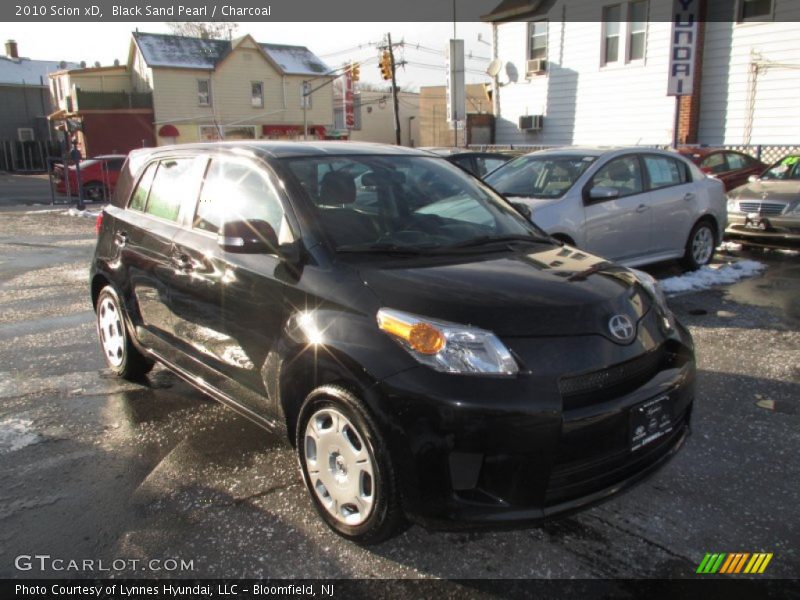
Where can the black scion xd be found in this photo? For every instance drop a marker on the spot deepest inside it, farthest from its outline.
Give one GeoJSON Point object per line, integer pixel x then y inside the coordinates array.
{"type": "Point", "coordinates": [429, 352]}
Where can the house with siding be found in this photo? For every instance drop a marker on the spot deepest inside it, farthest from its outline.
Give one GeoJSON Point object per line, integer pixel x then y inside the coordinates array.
{"type": "Point", "coordinates": [207, 89]}
{"type": "Point", "coordinates": [25, 96]}
{"type": "Point", "coordinates": [589, 72]}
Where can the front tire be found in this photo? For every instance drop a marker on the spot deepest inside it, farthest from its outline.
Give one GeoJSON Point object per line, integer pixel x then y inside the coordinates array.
{"type": "Point", "coordinates": [94, 191]}
{"type": "Point", "coordinates": [346, 467]}
{"type": "Point", "coordinates": [700, 246]}
{"type": "Point", "coordinates": [121, 355]}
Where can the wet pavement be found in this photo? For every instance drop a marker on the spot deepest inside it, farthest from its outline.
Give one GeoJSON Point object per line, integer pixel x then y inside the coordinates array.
{"type": "Point", "coordinates": [95, 467]}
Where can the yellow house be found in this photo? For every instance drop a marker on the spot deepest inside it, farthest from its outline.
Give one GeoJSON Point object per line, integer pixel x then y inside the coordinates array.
{"type": "Point", "coordinates": [206, 89]}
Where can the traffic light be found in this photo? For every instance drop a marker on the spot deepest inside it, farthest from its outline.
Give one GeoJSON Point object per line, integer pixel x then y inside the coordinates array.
{"type": "Point", "coordinates": [386, 65]}
{"type": "Point", "coordinates": [355, 72]}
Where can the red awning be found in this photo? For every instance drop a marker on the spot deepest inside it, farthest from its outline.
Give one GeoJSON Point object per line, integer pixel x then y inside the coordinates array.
{"type": "Point", "coordinates": [289, 130]}
{"type": "Point", "coordinates": [168, 131]}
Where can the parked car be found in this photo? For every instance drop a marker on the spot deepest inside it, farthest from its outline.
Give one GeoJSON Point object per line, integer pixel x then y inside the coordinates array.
{"type": "Point", "coordinates": [632, 205]}
{"type": "Point", "coordinates": [98, 177]}
{"type": "Point", "coordinates": [767, 209]}
{"type": "Point", "coordinates": [441, 359]}
{"type": "Point", "coordinates": [730, 167]}
{"type": "Point", "coordinates": [478, 163]}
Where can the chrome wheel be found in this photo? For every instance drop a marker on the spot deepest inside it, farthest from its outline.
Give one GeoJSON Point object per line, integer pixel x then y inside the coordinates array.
{"type": "Point", "coordinates": [340, 467]}
{"type": "Point", "coordinates": [111, 331]}
{"type": "Point", "coordinates": [702, 245]}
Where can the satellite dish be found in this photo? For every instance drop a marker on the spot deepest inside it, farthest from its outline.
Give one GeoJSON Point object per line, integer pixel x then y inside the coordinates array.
{"type": "Point", "coordinates": [494, 67]}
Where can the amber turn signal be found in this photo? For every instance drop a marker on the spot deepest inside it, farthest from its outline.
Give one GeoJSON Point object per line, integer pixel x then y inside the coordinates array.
{"type": "Point", "coordinates": [421, 337]}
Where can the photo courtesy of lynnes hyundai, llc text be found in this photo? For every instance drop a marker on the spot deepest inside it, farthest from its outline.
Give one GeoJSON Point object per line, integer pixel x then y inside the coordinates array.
{"type": "Point", "coordinates": [432, 355]}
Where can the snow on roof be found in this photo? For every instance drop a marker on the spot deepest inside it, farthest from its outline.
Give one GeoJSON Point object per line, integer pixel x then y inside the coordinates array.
{"type": "Point", "coordinates": [295, 60]}
{"type": "Point", "coordinates": [19, 71]}
{"type": "Point", "coordinates": [161, 50]}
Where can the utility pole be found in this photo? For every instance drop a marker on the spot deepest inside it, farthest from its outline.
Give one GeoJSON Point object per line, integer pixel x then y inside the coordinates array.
{"type": "Point", "coordinates": [394, 90]}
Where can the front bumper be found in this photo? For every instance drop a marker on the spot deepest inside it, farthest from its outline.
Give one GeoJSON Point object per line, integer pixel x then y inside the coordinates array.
{"type": "Point", "coordinates": [784, 229]}
{"type": "Point", "coordinates": [480, 450]}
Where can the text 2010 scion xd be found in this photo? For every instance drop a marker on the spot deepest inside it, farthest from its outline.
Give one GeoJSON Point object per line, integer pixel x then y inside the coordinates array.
{"type": "Point", "coordinates": [430, 352]}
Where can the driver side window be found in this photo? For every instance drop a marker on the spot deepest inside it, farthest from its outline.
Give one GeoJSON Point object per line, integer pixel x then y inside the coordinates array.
{"type": "Point", "coordinates": [621, 174]}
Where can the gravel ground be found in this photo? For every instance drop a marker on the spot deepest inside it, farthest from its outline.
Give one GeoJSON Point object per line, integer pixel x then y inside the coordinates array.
{"type": "Point", "coordinates": [94, 467]}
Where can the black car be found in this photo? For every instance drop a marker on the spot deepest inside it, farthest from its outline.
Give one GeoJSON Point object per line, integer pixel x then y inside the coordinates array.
{"type": "Point", "coordinates": [430, 353]}
{"type": "Point", "coordinates": [476, 162]}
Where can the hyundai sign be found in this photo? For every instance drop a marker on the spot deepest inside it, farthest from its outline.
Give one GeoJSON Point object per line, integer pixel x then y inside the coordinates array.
{"type": "Point", "coordinates": [683, 47]}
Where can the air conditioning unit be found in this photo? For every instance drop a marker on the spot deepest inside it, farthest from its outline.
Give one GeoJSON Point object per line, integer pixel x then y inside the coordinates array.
{"type": "Point", "coordinates": [536, 66]}
{"type": "Point", "coordinates": [531, 122]}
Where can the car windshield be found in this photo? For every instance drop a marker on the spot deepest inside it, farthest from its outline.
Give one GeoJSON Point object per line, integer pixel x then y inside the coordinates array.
{"type": "Point", "coordinates": [786, 168]}
{"type": "Point", "coordinates": [405, 203]}
{"type": "Point", "coordinates": [539, 176]}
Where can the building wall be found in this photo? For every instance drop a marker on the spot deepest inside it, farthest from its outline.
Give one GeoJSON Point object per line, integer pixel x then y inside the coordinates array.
{"type": "Point", "coordinates": [726, 114]}
{"type": "Point", "coordinates": [377, 118]}
{"type": "Point", "coordinates": [434, 129]}
{"type": "Point", "coordinates": [24, 106]}
{"type": "Point", "coordinates": [175, 96]}
{"type": "Point", "coordinates": [583, 101]}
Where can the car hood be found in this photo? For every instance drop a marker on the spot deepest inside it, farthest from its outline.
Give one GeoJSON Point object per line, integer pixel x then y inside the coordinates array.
{"type": "Point", "coordinates": [532, 201]}
{"type": "Point", "coordinates": [784, 191]}
{"type": "Point", "coordinates": [551, 291]}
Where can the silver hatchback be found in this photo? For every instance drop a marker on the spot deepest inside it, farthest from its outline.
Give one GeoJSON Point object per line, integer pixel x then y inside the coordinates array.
{"type": "Point", "coordinates": [632, 205]}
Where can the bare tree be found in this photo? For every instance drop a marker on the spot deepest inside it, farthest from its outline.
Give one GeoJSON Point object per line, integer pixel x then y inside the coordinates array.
{"type": "Point", "coordinates": [206, 31]}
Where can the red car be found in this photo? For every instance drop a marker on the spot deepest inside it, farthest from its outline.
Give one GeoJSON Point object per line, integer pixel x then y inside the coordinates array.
{"type": "Point", "coordinates": [98, 177]}
{"type": "Point", "coordinates": [730, 167]}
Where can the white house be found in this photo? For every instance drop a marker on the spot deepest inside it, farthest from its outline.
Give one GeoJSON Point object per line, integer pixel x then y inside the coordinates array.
{"type": "Point", "coordinates": [591, 72]}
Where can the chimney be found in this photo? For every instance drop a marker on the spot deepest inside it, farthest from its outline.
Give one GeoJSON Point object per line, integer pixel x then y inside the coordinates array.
{"type": "Point", "coordinates": [11, 49]}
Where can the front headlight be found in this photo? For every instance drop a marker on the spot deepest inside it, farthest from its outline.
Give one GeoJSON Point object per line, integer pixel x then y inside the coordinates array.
{"type": "Point", "coordinates": [448, 347]}
{"type": "Point", "coordinates": [650, 284]}
{"type": "Point", "coordinates": [733, 206]}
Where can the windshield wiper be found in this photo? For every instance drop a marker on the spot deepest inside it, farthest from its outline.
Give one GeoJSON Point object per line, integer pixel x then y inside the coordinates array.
{"type": "Point", "coordinates": [387, 249]}
{"type": "Point", "coordinates": [497, 239]}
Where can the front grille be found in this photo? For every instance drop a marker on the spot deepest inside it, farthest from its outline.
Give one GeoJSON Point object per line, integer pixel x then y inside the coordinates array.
{"type": "Point", "coordinates": [590, 388]}
{"type": "Point", "coordinates": [762, 208]}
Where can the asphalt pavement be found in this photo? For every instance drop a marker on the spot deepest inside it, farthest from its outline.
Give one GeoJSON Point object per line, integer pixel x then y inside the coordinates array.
{"type": "Point", "coordinates": [98, 468]}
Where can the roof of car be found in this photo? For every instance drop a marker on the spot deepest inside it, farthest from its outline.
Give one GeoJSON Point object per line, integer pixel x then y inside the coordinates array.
{"type": "Point", "coordinates": [285, 149]}
{"type": "Point", "coordinates": [597, 150]}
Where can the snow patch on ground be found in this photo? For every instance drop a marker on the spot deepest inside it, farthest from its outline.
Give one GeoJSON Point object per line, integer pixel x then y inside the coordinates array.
{"type": "Point", "coordinates": [710, 276]}
{"type": "Point", "coordinates": [90, 214]}
{"type": "Point", "coordinates": [16, 434]}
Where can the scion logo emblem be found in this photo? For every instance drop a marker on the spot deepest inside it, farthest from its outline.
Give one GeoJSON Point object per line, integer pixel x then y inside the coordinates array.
{"type": "Point", "coordinates": [621, 328]}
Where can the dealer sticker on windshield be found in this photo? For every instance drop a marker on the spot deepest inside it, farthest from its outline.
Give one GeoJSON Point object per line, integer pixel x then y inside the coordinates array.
{"type": "Point", "coordinates": [650, 420]}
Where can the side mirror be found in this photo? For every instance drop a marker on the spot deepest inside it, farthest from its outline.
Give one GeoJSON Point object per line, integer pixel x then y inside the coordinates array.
{"type": "Point", "coordinates": [248, 237]}
{"type": "Point", "coordinates": [601, 192]}
{"type": "Point", "coordinates": [753, 178]}
{"type": "Point", "coordinates": [522, 209]}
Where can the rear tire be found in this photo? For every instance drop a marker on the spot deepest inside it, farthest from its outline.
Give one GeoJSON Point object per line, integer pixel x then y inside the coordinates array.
{"type": "Point", "coordinates": [346, 467]}
{"type": "Point", "coordinates": [122, 357]}
{"type": "Point", "coordinates": [701, 246]}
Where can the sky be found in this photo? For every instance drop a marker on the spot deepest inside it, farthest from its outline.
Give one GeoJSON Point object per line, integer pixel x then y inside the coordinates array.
{"type": "Point", "coordinates": [335, 43]}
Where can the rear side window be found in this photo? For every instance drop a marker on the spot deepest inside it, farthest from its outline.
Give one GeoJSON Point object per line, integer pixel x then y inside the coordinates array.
{"type": "Point", "coordinates": [663, 171]}
{"type": "Point", "coordinates": [739, 161]}
{"type": "Point", "coordinates": [139, 197]}
{"type": "Point", "coordinates": [236, 192]}
{"type": "Point", "coordinates": [169, 187]}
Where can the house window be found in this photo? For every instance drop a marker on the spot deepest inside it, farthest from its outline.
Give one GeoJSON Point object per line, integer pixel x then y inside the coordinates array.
{"type": "Point", "coordinates": [209, 133]}
{"type": "Point", "coordinates": [305, 95]}
{"type": "Point", "coordinates": [25, 134]}
{"type": "Point", "coordinates": [637, 34]}
{"type": "Point", "coordinates": [204, 92]}
{"type": "Point", "coordinates": [611, 25]}
{"type": "Point", "coordinates": [537, 40]}
{"type": "Point", "coordinates": [257, 94]}
{"type": "Point", "coordinates": [754, 9]}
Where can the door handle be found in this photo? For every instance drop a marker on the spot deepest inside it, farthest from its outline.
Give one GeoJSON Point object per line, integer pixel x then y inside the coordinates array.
{"type": "Point", "coordinates": [182, 262]}
{"type": "Point", "coordinates": [689, 196]}
{"type": "Point", "coordinates": [641, 208]}
{"type": "Point", "coordinates": [121, 238]}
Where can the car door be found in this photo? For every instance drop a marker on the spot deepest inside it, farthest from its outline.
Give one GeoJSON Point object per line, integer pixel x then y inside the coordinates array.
{"type": "Point", "coordinates": [620, 227]}
{"type": "Point", "coordinates": [673, 198]}
{"type": "Point", "coordinates": [229, 307]}
{"type": "Point", "coordinates": [144, 235]}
